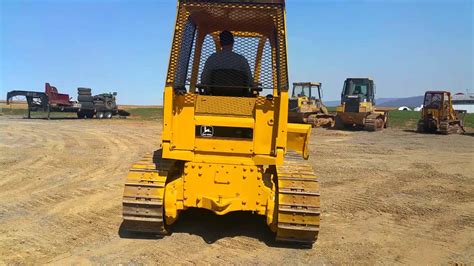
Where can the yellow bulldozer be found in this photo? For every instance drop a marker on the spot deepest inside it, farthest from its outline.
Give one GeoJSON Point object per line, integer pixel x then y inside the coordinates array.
{"type": "Point", "coordinates": [306, 105]}
{"type": "Point", "coordinates": [226, 143]}
{"type": "Point", "coordinates": [357, 107]}
{"type": "Point", "coordinates": [438, 114]}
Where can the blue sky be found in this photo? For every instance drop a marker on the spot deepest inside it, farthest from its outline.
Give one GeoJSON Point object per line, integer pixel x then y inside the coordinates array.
{"type": "Point", "coordinates": [406, 46]}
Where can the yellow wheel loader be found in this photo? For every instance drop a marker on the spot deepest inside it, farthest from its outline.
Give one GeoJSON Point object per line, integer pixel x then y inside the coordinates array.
{"type": "Point", "coordinates": [306, 105]}
{"type": "Point", "coordinates": [438, 114]}
{"type": "Point", "coordinates": [357, 107]}
{"type": "Point", "coordinates": [226, 143]}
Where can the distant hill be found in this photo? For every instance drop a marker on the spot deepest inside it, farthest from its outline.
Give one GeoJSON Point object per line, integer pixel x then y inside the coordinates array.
{"type": "Point", "coordinates": [410, 102]}
{"type": "Point", "coordinates": [380, 101]}
{"type": "Point", "coordinates": [390, 102]}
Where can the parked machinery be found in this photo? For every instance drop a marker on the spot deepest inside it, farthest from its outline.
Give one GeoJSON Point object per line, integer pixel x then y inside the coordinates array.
{"type": "Point", "coordinates": [87, 106]}
{"type": "Point", "coordinates": [306, 105]}
{"type": "Point", "coordinates": [357, 107]}
{"type": "Point", "coordinates": [226, 148]}
{"type": "Point", "coordinates": [102, 105]}
{"type": "Point", "coordinates": [48, 101]}
{"type": "Point", "coordinates": [438, 114]}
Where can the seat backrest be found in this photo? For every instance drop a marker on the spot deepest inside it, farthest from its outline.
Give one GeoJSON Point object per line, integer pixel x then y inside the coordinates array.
{"type": "Point", "coordinates": [229, 82]}
{"type": "Point", "coordinates": [357, 90]}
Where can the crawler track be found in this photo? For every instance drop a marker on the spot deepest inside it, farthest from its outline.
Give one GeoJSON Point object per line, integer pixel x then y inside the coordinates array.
{"type": "Point", "coordinates": [143, 195]}
{"type": "Point", "coordinates": [321, 120]}
{"type": "Point", "coordinates": [373, 123]}
{"type": "Point", "coordinates": [450, 128]}
{"type": "Point", "coordinates": [298, 201]}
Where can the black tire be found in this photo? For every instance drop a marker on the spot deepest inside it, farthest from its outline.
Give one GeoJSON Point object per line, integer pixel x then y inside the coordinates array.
{"type": "Point", "coordinates": [81, 115]}
{"type": "Point", "coordinates": [99, 115]}
{"type": "Point", "coordinates": [90, 114]}
{"type": "Point", "coordinates": [108, 115]}
{"type": "Point", "coordinates": [85, 98]}
{"type": "Point", "coordinates": [84, 90]}
{"type": "Point", "coordinates": [87, 105]}
{"type": "Point", "coordinates": [109, 105]}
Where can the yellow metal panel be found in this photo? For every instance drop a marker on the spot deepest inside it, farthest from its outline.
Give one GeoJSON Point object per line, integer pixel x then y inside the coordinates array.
{"type": "Point", "coordinates": [365, 107]}
{"type": "Point", "coordinates": [167, 113]}
{"type": "Point", "coordinates": [241, 159]}
{"type": "Point", "coordinates": [298, 138]}
{"type": "Point", "coordinates": [218, 158]}
{"type": "Point", "coordinates": [183, 128]}
{"type": "Point", "coordinates": [281, 104]}
{"type": "Point", "coordinates": [170, 153]}
{"type": "Point", "coordinates": [224, 121]}
{"type": "Point", "coordinates": [174, 200]}
{"type": "Point", "coordinates": [264, 139]}
{"type": "Point", "coordinates": [283, 51]}
{"type": "Point", "coordinates": [223, 145]}
{"type": "Point", "coordinates": [181, 20]}
{"type": "Point", "coordinates": [265, 159]}
{"type": "Point", "coordinates": [224, 188]}
{"type": "Point", "coordinates": [196, 59]}
{"type": "Point", "coordinates": [274, 64]}
{"type": "Point", "coordinates": [258, 60]}
{"type": "Point", "coordinates": [224, 105]}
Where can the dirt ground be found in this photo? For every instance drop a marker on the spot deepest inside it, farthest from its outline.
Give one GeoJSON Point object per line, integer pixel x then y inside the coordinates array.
{"type": "Point", "coordinates": [389, 197]}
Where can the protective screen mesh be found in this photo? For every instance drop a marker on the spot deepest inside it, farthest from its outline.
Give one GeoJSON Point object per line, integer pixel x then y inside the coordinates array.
{"type": "Point", "coordinates": [258, 33]}
{"type": "Point", "coordinates": [184, 55]}
{"type": "Point", "coordinates": [208, 49]}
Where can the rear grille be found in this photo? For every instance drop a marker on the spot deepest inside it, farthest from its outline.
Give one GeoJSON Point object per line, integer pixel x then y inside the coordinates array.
{"type": "Point", "coordinates": [352, 106]}
{"type": "Point", "coordinates": [222, 105]}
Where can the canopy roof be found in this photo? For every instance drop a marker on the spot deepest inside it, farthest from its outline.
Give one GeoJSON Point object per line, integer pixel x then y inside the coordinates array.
{"type": "Point", "coordinates": [313, 84]}
{"type": "Point", "coordinates": [276, 2]}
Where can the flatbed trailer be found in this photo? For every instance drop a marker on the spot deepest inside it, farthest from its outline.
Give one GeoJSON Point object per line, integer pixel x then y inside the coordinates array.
{"type": "Point", "coordinates": [52, 101]}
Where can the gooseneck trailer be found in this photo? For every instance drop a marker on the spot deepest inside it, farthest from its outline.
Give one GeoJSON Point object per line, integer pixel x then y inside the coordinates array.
{"type": "Point", "coordinates": [87, 106]}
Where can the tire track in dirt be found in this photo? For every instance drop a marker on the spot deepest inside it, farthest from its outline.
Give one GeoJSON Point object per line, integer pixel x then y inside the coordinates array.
{"type": "Point", "coordinates": [399, 193]}
{"type": "Point", "coordinates": [94, 181]}
{"type": "Point", "coordinates": [116, 151]}
{"type": "Point", "coordinates": [377, 202]}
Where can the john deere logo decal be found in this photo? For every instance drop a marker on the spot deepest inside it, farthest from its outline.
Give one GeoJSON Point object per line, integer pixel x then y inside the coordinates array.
{"type": "Point", "coordinates": [207, 131]}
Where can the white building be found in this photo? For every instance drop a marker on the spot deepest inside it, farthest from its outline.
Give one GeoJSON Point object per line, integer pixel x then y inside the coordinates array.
{"type": "Point", "coordinates": [404, 108]}
{"type": "Point", "coordinates": [464, 101]}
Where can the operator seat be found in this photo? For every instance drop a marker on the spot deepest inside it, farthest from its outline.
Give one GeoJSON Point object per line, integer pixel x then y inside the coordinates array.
{"type": "Point", "coordinates": [229, 82]}
{"type": "Point", "coordinates": [357, 90]}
